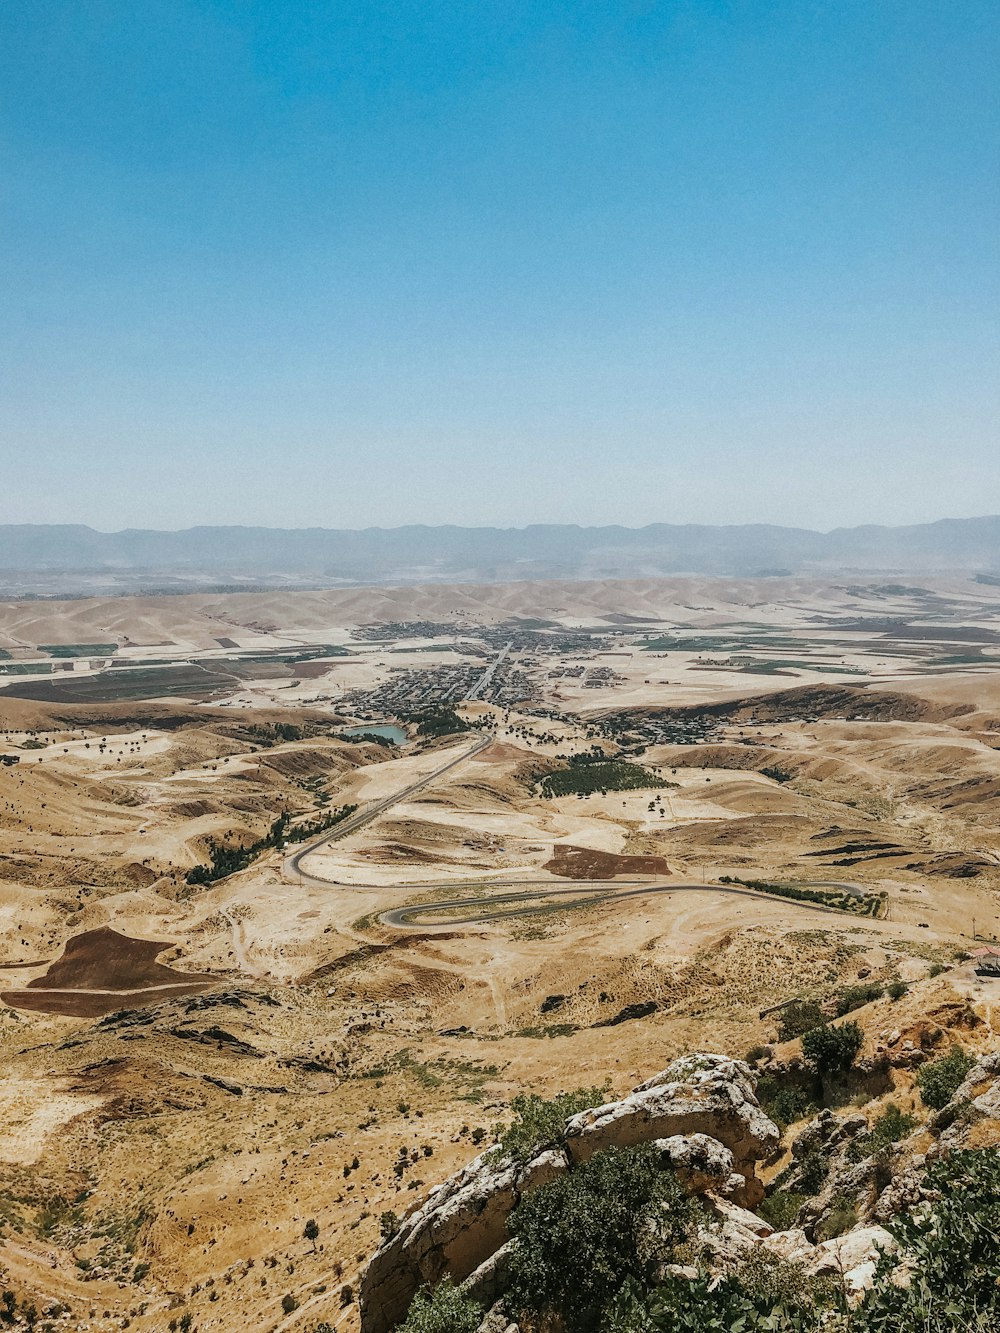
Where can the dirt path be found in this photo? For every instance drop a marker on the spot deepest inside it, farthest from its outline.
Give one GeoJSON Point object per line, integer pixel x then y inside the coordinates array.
{"type": "Point", "coordinates": [240, 945]}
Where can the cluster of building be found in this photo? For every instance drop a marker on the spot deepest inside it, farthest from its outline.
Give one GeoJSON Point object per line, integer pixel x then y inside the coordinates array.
{"type": "Point", "coordinates": [411, 691]}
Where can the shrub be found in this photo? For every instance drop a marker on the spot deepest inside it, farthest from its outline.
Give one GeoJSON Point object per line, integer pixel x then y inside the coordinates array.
{"type": "Point", "coordinates": [781, 1208]}
{"type": "Point", "coordinates": [832, 1049]}
{"type": "Point", "coordinates": [891, 1126]}
{"type": "Point", "coordinates": [813, 1171]}
{"type": "Point", "coordinates": [952, 1253]}
{"type": "Point", "coordinates": [939, 1081]}
{"type": "Point", "coordinates": [289, 1304]}
{"type": "Point", "coordinates": [856, 996]}
{"type": "Point", "coordinates": [443, 1310]}
{"type": "Point", "coordinates": [841, 1217]}
{"type": "Point", "coordinates": [783, 1103]}
{"type": "Point", "coordinates": [580, 1237]}
{"type": "Point", "coordinates": [539, 1124]}
{"type": "Point", "coordinates": [798, 1017]}
{"type": "Point", "coordinates": [896, 990]}
{"type": "Point", "coordinates": [588, 774]}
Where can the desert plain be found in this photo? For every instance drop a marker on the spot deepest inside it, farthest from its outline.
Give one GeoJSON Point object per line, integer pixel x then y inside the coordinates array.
{"type": "Point", "coordinates": [481, 841]}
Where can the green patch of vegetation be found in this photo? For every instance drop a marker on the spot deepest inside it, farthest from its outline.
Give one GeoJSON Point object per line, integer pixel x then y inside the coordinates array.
{"type": "Point", "coordinates": [589, 773]}
{"type": "Point", "coordinates": [797, 1017]}
{"type": "Point", "coordinates": [939, 1080]}
{"type": "Point", "coordinates": [539, 1030]}
{"type": "Point", "coordinates": [891, 1126]}
{"type": "Point", "coordinates": [868, 904]}
{"type": "Point", "coordinates": [784, 1103]}
{"type": "Point", "coordinates": [443, 1310]}
{"type": "Point", "coordinates": [228, 860]}
{"type": "Point", "coordinates": [781, 1208]}
{"type": "Point", "coordinates": [854, 997]}
{"type": "Point", "coordinates": [27, 669]}
{"type": "Point", "coordinates": [580, 1237]}
{"type": "Point", "coordinates": [539, 1124]}
{"type": "Point", "coordinates": [438, 720]}
{"type": "Point", "coordinates": [78, 649]}
{"type": "Point", "coordinates": [275, 733]}
{"type": "Point", "coordinates": [422, 1073]}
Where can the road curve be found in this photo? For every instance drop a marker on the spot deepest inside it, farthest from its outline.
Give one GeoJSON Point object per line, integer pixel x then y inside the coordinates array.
{"type": "Point", "coordinates": [292, 865]}
{"type": "Point", "coordinates": [585, 891]}
{"type": "Point", "coordinates": [593, 891]}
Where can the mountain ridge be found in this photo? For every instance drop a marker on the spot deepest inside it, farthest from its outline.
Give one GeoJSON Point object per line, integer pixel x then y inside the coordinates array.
{"type": "Point", "coordinates": [425, 553]}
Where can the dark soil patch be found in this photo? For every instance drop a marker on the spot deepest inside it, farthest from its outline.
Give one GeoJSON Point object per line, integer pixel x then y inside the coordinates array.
{"type": "Point", "coordinates": [584, 863]}
{"type": "Point", "coordinates": [100, 971]}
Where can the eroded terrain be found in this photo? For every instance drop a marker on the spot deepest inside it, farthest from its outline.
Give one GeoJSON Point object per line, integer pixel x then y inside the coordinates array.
{"type": "Point", "coordinates": [573, 865]}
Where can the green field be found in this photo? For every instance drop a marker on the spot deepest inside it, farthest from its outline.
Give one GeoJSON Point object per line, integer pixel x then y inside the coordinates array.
{"type": "Point", "coordinates": [133, 684]}
{"type": "Point", "coordinates": [78, 649]}
{"type": "Point", "coordinates": [580, 779]}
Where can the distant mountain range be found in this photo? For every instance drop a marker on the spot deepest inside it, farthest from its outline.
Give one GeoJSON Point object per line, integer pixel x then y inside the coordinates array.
{"type": "Point", "coordinates": [41, 559]}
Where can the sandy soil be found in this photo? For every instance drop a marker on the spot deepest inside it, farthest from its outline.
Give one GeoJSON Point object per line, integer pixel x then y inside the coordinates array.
{"type": "Point", "coordinates": [151, 1150]}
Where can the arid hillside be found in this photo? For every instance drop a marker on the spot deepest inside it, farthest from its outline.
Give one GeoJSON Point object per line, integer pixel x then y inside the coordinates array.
{"type": "Point", "coordinates": [287, 947]}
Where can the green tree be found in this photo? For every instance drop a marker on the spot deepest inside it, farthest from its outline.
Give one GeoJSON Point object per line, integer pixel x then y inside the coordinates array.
{"type": "Point", "coordinates": [580, 1237]}
{"type": "Point", "coordinates": [832, 1049]}
{"type": "Point", "coordinates": [311, 1232]}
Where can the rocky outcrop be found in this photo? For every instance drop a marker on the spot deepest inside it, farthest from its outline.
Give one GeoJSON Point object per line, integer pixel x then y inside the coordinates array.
{"type": "Point", "coordinates": [701, 1113]}
{"type": "Point", "coordinates": [459, 1227]}
{"type": "Point", "coordinates": [977, 1099]}
{"type": "Point", "coordinates": [852, 1257]}
{"type": "Point", "coordinates": [701, 1094]}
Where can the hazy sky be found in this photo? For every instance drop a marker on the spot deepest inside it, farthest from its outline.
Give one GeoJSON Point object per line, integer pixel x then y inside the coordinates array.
{"type": "Point", "coordinates": [340, 263]}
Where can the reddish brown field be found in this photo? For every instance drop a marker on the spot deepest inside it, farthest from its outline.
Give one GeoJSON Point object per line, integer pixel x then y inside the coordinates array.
{"type": "Point", "coordinates": [102, 970]}
{"type": "Point", "coordinates": [585, 863]}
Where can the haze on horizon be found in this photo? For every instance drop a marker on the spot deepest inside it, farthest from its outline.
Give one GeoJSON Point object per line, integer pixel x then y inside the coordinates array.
{"type": "Point", "coordinates": [378, 264]}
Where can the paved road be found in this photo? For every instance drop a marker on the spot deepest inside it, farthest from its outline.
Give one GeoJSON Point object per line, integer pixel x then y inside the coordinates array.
{"type": "Point", "coordinates": [593, 891]}
{"type": "Point", "coordinates": [293, 864]}
{"type": "Point", "coordinates": [584, 891]}
{"type": "Point", "coordinates": [488, 674]}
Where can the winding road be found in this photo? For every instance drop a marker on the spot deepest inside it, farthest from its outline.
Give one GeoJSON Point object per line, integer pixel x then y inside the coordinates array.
{"type": "Point", "coordinates": [527, 892]}
{"type": "Point", "coordinates": [593, 891]}
{"type": "Point", "coordinates": [292, 865]}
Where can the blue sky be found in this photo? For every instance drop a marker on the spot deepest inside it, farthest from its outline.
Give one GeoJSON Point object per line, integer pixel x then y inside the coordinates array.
{"type": "Point", "coordinates": [319, 262]}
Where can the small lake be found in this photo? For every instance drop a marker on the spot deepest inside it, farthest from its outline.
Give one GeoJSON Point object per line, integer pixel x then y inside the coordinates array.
{"type": "Point", "coordinates": [394, 734]}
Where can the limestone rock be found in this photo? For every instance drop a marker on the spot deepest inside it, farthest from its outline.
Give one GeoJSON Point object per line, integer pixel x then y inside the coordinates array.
{"type": "Point", "coordinates": [704, 1094]}
{"type": "Point", "coordinates": [700, 1163]}
{"type": "Point", "coordinates": [701, 1112]}
{"type": "Point", "coordinates": [790, 1246]}
{"type": "Point", "coordinates": [460, 1225]}
{"type": "Point", "coordinates": [853, 1257]}
{"type": "Point", "coordinates": [489, 1281]}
